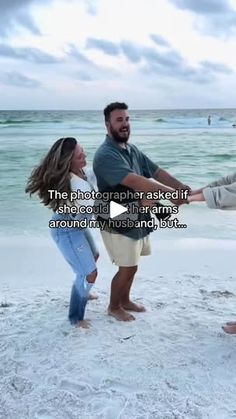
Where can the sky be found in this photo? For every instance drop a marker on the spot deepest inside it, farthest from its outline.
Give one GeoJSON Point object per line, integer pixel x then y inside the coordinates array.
{"type": "Point", "coordinates": [84, 54]}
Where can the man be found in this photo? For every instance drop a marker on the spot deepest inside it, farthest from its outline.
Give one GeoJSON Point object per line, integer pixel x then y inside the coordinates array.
{"type": "Point", "coordinates": [120, 166]}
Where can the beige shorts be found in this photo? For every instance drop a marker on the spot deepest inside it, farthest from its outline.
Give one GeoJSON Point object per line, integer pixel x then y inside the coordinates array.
{"type": "Point", "coordinates": [124, 251]}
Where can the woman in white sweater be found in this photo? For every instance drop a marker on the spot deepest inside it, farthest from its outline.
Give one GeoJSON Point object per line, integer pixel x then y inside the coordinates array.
{"type": "Point", "coordinates": [60, 173]}
{"type": "Point", "coordinates": [220, 194]}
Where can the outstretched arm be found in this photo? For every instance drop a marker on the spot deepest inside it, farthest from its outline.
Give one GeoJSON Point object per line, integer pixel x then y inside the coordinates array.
{"type": "Point", "coordinates": [165, 178]}
{"type": "Point", "coordinates": [142, 184]}
{"type": "Point", "coordinates": [197, 197]}
{"type": "Point", "coordinates": [218, 197]}
{"type": "Point", "coordinates": [226, 180]}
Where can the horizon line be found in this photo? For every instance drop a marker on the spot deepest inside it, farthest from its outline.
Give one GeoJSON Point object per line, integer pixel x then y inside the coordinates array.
{"type": "Point", "coordinates": [101, 110]}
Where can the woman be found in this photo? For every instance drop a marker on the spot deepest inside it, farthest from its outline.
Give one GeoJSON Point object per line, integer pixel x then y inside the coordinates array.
{"type": "Point", "coordinates": [61, 170]}
{"type": "Point", "coordinates": [219, 195]}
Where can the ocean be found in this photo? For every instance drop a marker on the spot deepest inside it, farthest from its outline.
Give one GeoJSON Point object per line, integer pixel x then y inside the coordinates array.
{"type": "Point", "coordinates": [180, 141]}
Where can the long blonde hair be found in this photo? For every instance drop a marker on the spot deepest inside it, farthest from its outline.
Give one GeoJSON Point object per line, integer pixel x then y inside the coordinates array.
{"type": "Point", "coordinates": [53, 173]}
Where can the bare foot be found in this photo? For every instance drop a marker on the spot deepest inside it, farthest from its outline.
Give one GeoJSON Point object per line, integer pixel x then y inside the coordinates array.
{"type": "Point", "coordinates": [231, 329]}
{"type": "Point", "coordinates": [129, 305]}
{"type": "Point", "coordinates": [85, 324]}
{"type": "Point", "coordinates": [92, 297]}
{"type": "Point", "coordinates": [120, 314]}
{"type": "Point", "coordinates": [230, 323]}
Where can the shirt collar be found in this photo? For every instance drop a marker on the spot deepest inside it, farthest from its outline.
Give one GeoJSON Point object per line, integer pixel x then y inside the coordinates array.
{"type": "Point", "coordinates": [110, 140]}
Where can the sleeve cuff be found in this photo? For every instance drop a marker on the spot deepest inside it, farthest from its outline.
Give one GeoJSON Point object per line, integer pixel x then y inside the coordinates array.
{"type": "Point", "coordinates": [209, 198]}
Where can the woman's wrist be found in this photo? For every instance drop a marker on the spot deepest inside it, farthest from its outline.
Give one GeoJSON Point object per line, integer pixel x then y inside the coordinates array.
{"type": "Point", "coordinates": [198, 197]}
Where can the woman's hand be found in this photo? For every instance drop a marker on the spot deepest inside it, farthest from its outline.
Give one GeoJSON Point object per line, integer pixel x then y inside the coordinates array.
{"type": "Point", "coordinates": [197, 197]}
{"type": "Point", "coordinates": [196, 191]}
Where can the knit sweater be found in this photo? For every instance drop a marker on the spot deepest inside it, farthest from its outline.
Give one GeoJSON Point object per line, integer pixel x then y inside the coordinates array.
{"type": "Point", "coordinates": [221, 194]}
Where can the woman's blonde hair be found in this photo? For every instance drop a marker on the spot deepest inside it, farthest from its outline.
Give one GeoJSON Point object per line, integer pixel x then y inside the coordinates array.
{"type": "Point", "coordinates": [53, 173]}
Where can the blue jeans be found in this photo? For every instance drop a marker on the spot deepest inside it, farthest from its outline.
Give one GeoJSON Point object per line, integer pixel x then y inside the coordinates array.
{"type": "Point", "coordinates": [79, 250]}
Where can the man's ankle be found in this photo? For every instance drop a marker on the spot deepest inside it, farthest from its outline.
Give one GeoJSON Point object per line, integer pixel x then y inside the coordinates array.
{"type": "Point", "coordinates": [114, 306]}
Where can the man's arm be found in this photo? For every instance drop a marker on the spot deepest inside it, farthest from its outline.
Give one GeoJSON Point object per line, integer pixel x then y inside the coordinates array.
{"type": "Point", "coordinates": [142, 184]}
{"type": "Point", "coordinates": [164, 177]}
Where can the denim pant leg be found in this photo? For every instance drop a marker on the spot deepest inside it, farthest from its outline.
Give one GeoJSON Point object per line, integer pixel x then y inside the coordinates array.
{"type": "Point", "coordinates": [76, 250]}
{"type": "Point", "coordinates": [91, 242]}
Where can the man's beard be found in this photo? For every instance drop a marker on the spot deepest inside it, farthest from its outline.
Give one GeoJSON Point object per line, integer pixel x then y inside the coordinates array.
{"type": "Point", "coordinates": [119, 138]}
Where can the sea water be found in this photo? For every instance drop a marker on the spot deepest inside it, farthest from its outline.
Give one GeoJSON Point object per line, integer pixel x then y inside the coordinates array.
{"type": "Point", "coordinates": [179, 141]}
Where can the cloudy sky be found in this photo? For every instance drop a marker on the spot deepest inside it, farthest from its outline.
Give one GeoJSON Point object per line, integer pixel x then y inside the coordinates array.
{"type": "Point", "coordinates": [82, 54]}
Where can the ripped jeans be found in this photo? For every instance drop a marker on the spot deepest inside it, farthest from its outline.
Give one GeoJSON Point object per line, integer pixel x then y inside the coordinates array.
{"type": "Point", "coordinates": [79, 250]}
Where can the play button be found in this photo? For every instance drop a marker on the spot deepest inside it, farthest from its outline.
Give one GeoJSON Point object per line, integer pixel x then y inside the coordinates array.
{"type": "Point", "coordinates": [116, 209]}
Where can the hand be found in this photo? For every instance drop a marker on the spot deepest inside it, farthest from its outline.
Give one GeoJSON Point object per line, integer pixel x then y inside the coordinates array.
{"type": "Point", "coordinates": [182, 187]}
{"type": "Point", "coordinates": [186, 187]}
{"type": "Point", "coordinates": [198, 197]}
{"type": "Point", "coordinates": [179, 201]}
{"type": "Point", "coordinates": [196, 191]}
{"type": "Point", "coordinates": [147, 203]}
{"type": "Point", "coordinates": [183, 193]}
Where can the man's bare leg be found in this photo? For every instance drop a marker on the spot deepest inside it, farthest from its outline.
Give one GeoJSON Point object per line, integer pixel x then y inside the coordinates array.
{"type": "Point", "coordinates": [118, 284]}
{"type": "Point", "coordinates": [126, 303]}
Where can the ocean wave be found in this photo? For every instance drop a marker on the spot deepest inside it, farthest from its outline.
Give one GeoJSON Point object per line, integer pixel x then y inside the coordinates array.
{"type": "Point", "coordinates": [223, 156]}
{"type": "Point", "coordinates": [222, 119]}
{"type": "Point", "coordinates": [28, 121]}
{"type": "Point", "coordinates": [160, 120]}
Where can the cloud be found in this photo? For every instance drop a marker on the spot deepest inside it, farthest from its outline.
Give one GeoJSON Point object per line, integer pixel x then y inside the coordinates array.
{"type": "Point", "coordinates": [155, 61]}
{"type": "Point", "coordinates": [216, 67]}
{"type": "Point", "coordinates": [173, 66]}
{"type": "Point", "coordinates": [87, 69]}
{"type": "Point", "coordinates": [107, 47]}
{"type": "Point", "coordinates": [170, 64]}
{"type": "Point", "coordinates": [150, 61]}
{"type": "Point", "coordinates": [159, 40]}
{"type": "Point", "coordinates": [82, 75]}
{"type": "Point", "coordinates": [217, 17]}
{"type": "Point", "coordinates": [33, 55]}
{"type": "Point", "coordinates": [19, 80]}
{"type": "Point", "coordinates": [91, 7]}
{"type": "Point", "coordinates": [170, 59]}
{"type": "Point", "coordinates": [17, 12]}
{"type": "Point", "coordinates": [78, 56]}
{"type": "Point", "coordinates": [131, 51]}
{"type": "Point", "coordinates": [204, 6]}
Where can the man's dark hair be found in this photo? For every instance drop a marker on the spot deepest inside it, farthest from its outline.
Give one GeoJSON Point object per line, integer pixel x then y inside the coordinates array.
{"type": "Point", "coordinates": [113, 106]}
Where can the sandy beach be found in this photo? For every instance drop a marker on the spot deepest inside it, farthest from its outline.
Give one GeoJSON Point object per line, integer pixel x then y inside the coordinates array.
{"type": "Point", "coordinates": [174, 361]}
